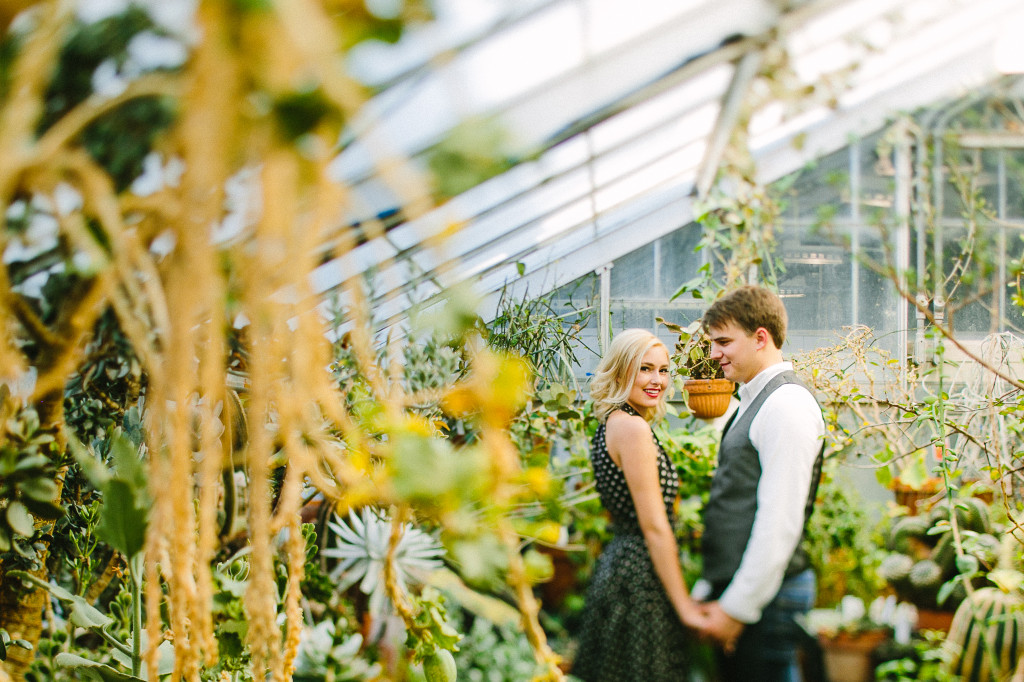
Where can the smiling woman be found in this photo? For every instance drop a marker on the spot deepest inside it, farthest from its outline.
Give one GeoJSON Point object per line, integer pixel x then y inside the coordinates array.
{"type": "Point", "coordinates": [637, 602]}
{"type": "Point", "coordinates": [651, 382]}
{"type": "Point", "coordinates": [617, 372]}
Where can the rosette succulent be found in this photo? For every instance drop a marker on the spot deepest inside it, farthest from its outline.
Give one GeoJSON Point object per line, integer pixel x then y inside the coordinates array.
{"type": "Point", "coordinates": [361, 546]}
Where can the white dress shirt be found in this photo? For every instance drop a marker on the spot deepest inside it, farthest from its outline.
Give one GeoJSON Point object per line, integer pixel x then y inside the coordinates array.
{"type": "Point", "coordinates": [787, 433]}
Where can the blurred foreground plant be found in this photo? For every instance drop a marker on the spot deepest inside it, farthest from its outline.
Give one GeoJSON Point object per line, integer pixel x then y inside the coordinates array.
{"type": "Point", "coordinates": [188, 207]}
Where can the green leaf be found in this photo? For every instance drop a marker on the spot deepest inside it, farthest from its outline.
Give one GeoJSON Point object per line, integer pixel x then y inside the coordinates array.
{"type": "Point", "coordinates": [92, 468]}
{"type": "Point", "coordinates": [20, 520]}
{"type": "Point", "coordinates": [298, 113]}
{"type": "Point", "coordinates": [237, 627]}
{"type": "Point", "coordinates": [35, 462]}
{"type": "Point", "coordinates": [92, 670]}
{"type": "Point", "coordinates": [945, 591]}
{"type": "Point", "coordinates": [48, 511]}
{"type": "Point", "coordinates": [40, 489]}
{"type": "Point", "coordinates": [25, 550]}
{"type": "Point", "coordinates": [127, 465]}
{"type": "Point", "coordinates": [915, 474]}
{"type": "Point", "coordinates": [122, 520]}
{"type": "Point", "coordinates": [967, 564]}
{"type": "Point", "coordinates": [165, 656]}
{"type": "Point", "coordinates": [84, 614]}
{"type": "Point", "coordinates": [884, 476]}
{"type": "Point", "coordinates": [692, 285]}
{"type": "Point", "coordinates": [480, 603]}
{"type": "Point", "coordinates": [253, 5]}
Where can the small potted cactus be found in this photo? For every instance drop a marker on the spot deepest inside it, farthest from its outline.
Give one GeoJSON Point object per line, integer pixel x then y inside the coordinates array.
{"type": "Point", "coordinates": [922, 562]}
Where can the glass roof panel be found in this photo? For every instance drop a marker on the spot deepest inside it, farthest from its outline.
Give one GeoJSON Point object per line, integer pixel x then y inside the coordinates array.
{"type": "Point", "coordinates": [1009, 49]}
{"type": "Point", "coordinates": [675, 169]}
{"type": "Point", "coordinates": [665, 109]}
{"type": "Point", "coordinates": [643, 80]}
{"type": "Point", "coordinates": [610, 23]}
{"type": "Point", "coordinates": [514, 62]}
{"type": "Point", "coordinates": [457, 23]}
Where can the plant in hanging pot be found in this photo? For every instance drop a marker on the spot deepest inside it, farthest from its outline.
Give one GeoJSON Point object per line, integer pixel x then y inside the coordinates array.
{"type": "Point", "coordinates": [707, 389]}
{"type": "Point", "coordinates": [911, 476]}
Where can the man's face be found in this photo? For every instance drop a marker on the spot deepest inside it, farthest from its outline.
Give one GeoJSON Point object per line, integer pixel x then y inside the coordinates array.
{"type": "Point", "coordinates": [737, 351]}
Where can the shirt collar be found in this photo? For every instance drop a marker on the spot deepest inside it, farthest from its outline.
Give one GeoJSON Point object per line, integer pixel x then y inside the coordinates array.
{"type": "Point", "coordinates": [750, 389]}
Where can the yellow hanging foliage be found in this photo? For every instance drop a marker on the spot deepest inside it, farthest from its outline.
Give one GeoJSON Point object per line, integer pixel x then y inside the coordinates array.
{"type": "Point", "coordinates": [252, 61]}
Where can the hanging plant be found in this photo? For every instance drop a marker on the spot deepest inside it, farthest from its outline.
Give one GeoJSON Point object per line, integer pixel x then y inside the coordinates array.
{"type": "Point", "coordinates": [707, 390]}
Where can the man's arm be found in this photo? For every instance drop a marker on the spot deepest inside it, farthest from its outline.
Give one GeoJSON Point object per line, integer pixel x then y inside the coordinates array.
{"type": "Point", "coordinates": [787, 433]}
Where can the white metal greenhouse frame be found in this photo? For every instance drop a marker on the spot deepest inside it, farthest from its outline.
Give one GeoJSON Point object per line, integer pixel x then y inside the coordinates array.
{"type": "Point", "coordinates": [630, 105]}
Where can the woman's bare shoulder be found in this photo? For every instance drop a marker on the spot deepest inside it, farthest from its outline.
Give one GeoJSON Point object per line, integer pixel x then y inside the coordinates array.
{"type": "Point", "coordinates": [626, 425]}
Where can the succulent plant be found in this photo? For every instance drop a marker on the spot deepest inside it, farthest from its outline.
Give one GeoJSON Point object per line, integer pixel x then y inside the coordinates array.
{"type": "Point", "coordinates": [984, 640]}
{"type": "Point", "coordinates": [362, 548]}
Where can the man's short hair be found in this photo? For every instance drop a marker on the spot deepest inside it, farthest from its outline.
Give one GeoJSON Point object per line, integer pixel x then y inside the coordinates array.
{"type": "Point", "coordinates": [749, 307]}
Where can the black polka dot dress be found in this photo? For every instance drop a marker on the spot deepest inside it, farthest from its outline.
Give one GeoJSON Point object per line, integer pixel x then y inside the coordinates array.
{"type": "Point", "coordinates": [630, 630]}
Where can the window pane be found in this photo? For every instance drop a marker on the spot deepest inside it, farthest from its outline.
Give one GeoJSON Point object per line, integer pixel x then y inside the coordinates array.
{"type": "Point", "coordinates": [679, 262]}
{"type": "Point", "coordinates": [1015, 183]}
{"type": "Point", "coordinates": [822, 191]}
{"type": "Point", "coordinates": [632, 276]}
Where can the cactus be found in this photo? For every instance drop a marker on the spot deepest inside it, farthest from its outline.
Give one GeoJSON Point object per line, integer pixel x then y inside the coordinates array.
{"type": "Point", "coordinates": [926, 580]}
{"type": "Point", "coordinates": [973, 514]}
{"type": "Point", "coordinates": [944, 554]}
{"type": "Point", "coordinates": [930, 544]}
{"type": "Point", "coordinates": [985, 638]}
{"type": "Point", "coordinates": [895, 568]}
{"type": "Point", "coordinates": [926, 575]}
{"type": "Point", "coordinates": [906, 530]}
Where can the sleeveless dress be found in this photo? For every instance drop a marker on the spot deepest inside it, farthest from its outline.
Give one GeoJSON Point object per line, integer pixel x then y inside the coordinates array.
{"type": "Point", "coordinates": [629, 629]}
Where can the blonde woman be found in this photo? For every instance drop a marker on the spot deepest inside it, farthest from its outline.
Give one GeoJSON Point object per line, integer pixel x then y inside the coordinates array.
{"type": "Point", "coordinates": [637, 603]}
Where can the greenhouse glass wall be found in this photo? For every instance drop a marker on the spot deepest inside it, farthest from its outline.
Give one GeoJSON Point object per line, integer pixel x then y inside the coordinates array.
{"type": "Point", "coordinates": [841, 224]}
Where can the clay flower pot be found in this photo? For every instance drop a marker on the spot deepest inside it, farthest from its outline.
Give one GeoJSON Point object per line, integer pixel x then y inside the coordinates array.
{"type": "Point", "coordinates": [847, 656]}
{"type": "Point", "coordinates": [708, 398]}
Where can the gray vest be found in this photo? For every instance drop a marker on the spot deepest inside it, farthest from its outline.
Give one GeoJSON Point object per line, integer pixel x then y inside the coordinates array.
{"type": "Point", "coordinates": [729, 514]}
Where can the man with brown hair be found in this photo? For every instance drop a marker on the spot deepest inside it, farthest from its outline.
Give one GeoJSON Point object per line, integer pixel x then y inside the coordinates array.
{"type": "Point", "coordinates": [769, 465]}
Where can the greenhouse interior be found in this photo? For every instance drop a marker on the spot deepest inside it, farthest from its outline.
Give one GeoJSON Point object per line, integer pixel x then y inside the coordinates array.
{"type": "Point", "coordinates": [320, 323]}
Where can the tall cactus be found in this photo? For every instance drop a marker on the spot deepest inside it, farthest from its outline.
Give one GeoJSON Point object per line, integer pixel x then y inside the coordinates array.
{"type": "Point", "coordinates": [986, 638]}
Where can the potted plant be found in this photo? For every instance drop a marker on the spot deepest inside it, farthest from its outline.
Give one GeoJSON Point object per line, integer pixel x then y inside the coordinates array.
{"type": "Point", "coordinates": [849, 636]}
{"type": "Point", "coordinates": [922, 565]}
{"type": "Point", "coordinates": [707, 389]}
{"type": "Point", "coordinates": [911, 477]}
{"type": "Point", "coordinates": [843, 542]}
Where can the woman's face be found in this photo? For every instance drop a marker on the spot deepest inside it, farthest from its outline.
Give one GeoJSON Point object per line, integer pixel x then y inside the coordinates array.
{"type": "Point", "coordinates": [651, 381]}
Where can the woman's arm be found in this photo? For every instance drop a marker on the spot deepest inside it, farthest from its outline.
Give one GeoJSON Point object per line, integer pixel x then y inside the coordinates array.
{"type": "Point", "coordinates": [631, 445]}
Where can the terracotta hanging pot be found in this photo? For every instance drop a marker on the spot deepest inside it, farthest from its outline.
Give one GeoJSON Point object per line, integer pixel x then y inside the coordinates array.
{"type": "Point", "coordinates": [708, 398]}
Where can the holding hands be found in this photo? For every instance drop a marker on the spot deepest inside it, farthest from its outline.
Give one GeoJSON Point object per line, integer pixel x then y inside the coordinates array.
{"type": "Point", "coordinates": [711, 622]}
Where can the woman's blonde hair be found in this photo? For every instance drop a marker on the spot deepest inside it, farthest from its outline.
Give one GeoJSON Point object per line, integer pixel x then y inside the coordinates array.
{"type": "Point", "coordinates": [617, 370]}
